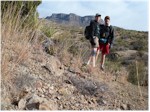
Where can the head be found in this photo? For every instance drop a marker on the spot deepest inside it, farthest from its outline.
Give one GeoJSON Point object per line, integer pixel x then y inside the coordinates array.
{"type": "Point", "coordinates": [107, 20]}
{"type": "Point", "coordinates": [97, 17]}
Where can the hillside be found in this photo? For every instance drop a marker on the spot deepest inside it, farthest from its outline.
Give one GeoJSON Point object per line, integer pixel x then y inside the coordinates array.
{"type": "Point", "coordinates": [47, 72]}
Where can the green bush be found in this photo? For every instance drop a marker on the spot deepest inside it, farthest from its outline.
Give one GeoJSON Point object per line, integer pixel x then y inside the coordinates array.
{"type": "Point", "coordinates": [24, 10]}
{"type": "Point", "coordinates": [48, 31]}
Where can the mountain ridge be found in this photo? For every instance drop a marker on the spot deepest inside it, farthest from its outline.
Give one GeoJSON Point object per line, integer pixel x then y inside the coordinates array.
{"type": "Point", "coordinates": [71, 19]}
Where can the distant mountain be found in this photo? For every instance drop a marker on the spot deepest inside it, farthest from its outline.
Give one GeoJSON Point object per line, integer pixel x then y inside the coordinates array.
{"type": "Point", "coordinates": [71, 19]}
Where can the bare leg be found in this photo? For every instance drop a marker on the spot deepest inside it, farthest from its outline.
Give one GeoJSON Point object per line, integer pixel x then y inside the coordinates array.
{"type": "Point", "coordinates": [89, 60]}
{"type": "Point", "coordinates": [94, 56]}
{"type": "Point", "coordinates": [97, 55]}
{"type": "Point", "coordinates": [90, 57]}
{"type": "Point", "coordinates": [102, 61]}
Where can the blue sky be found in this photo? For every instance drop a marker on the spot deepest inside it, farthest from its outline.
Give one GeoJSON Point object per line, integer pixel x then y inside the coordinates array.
{"type": "Point", "coordinates": [128, 14]}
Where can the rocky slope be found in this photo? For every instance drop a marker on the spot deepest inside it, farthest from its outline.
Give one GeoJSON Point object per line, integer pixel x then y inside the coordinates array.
{"type": "Point", "coordinates": [42, 82]}
{"type": "Point", "coordinates": [48, 75]}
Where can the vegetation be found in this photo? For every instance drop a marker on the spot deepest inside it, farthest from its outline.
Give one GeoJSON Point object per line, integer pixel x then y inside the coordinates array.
{"type": "Point", "coordinates": [24, 11]}
{"type": "Point", "coordinates": [48, 31]}
{"type": "Point", "coordinates": [138, 73]}
{"type": "Point", "coordinates": [18, 28]}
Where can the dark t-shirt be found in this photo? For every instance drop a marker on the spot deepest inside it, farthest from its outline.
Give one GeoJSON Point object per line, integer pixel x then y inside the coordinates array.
{"type": "Point", "coordinates": [95, 28]}
{"type": "Point", "coordinates": [106, 34]}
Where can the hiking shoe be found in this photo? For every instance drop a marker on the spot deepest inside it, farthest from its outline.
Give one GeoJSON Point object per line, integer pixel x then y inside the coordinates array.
{"type": "Point", "coordinates": [84, 64]}
{"type": "Point", "coordinates": [102, 68]}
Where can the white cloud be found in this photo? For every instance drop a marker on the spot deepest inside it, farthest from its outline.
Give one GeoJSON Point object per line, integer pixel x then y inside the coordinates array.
{"type": "Point", "coordinates": [131, 14]}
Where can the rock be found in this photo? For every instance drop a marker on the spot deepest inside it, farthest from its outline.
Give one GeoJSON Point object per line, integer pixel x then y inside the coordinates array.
{"type": "Point", "coordinates": [58, 97]}
{"type": "Point", "coordinates": [46, 87]}
{"type": "Point", "coordinates": [74, 69]}
{"type": "Point", "coordinates": [32, 106]}
{"type": "Point", "coordinates": [22, 104]}
{"type": "Point", "coordinates": [118, 109]}
{"type": "Point", "coordinates": [48, 105]}
{"type": "Point", "coordinates": [40, 90]}
{"type": "Point", "coordinates": [63, 91]}
{"type": "Point", "coordinates": [129, 106]}
{"type": "Point", "coordinates": [42, 95]}
{"type": "Point", "coordinates": [44, 90]}
{"type": "Point", "coordinates": [67, 81]}
{"type": "Point", "coordinates": [39, 103]}
{"type": "Point", "coordinates": [123, 107]}
{"type": "Point", "coordinates": [35, 98]}
{"type": "Point", "coordinates": [41, 77]}
{"type": "Point", "coordinates": [27, 89]}
{"type": "Point", "coordinates": [113, 56]}
{"type": "Point", "coordinates": [38, 84]}
{"type": "Point", "coordinates": [51, 91]}
{"type": "Point", "coordinates": [66, 90]}
{"type": "Point", "coordinates": [54, 66]}
{"type": "Point", "coordinates": [47, 43]}
{"type": "Point", "coordinates": [102, 102]}
{"type": "Point", "coordinates": [33, 102]}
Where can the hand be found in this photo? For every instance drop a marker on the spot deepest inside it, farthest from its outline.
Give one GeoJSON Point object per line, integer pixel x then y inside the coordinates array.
{"type": "Point", "coordinates": [94, 37]}
{"type": "Point", "coordinates": [110, 46]}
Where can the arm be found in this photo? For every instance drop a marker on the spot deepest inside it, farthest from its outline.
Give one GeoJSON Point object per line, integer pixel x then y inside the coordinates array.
{"type": "Point", "coordinates": [111, 39]}
{"type": "Point", "coordinates": [112, 36]}
{"type": "Point", "coordinates": [92, 28]}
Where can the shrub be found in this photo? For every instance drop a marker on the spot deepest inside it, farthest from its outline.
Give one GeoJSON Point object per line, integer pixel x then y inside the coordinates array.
{"type": "Point", "coordinates": [25, 11]}
{"type": "Point", "coordinates": [112, 66]}
{"type": "Point", "coordinates": [138, 73]}
{"type": "Point", "coordinates": [48, 30]}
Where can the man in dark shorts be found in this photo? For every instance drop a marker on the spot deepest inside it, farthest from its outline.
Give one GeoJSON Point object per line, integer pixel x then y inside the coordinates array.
{"type": "Point", "coordinates": [106, 40]}
{"type": "Point", "coordinates": [94, 40]}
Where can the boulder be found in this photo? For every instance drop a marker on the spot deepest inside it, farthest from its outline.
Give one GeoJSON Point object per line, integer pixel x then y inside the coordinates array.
{"type": "Point", "coordinates": [48, 105]}
{"type": "Point", "coordinates": [54, 66]}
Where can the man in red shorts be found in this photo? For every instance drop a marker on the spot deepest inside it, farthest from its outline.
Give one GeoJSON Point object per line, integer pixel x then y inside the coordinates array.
{"type": "Point", "coordinates": [105, 41]}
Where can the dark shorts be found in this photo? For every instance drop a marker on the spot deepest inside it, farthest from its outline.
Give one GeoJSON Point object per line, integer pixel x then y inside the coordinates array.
{"type": "Point", "coordinates": [104, 48]}
{"type": "Point", "coordinates": [94, 43]}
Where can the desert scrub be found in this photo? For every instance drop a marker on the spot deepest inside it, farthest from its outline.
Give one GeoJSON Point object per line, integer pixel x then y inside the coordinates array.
{"type": "Point", "coordinates": [141, 71]}
{"type": "Point", "coordinates": [140, 44]}
{"type": "Point", "coordinates": [112, 66]}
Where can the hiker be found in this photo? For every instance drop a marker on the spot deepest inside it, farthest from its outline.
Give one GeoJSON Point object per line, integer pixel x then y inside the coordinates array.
{"type": "Point", "coordinates": [94, 40]}
{"type": "Point", "coordinates": [105, 41]}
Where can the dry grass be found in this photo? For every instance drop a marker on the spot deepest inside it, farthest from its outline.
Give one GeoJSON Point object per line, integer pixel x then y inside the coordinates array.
{"type": "Point", "coordinates": [137, 73]}
{"type": "Point", "coordinates": [15, 41]}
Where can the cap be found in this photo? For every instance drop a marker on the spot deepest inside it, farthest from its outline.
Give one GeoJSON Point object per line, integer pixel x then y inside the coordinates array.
{"type": "Point", "coordinates": [97, 15]}
{"type": "Point", "coordinates": [107, 17]}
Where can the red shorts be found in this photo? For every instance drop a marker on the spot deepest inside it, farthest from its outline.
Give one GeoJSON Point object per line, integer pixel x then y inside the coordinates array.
{"type": "Point", "coordinates": [104, 48]}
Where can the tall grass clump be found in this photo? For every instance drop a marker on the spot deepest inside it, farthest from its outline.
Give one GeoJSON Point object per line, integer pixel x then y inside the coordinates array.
{"type": "Point", "coordinates": [142, 77]}
{"type": "Point", "coordinates": [18, 23]}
